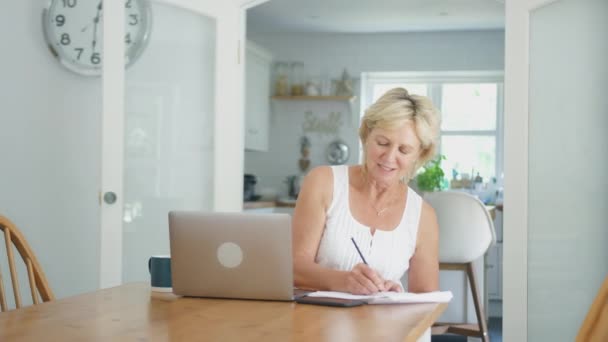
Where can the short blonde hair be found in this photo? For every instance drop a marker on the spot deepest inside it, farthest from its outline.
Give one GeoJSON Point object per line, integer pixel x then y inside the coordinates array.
{"type": "Point", "coordinates": [395, 108]}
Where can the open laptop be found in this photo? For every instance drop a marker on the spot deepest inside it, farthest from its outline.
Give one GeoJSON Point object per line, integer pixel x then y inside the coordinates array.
{"type": "Point", "coordinates": [231, 255]}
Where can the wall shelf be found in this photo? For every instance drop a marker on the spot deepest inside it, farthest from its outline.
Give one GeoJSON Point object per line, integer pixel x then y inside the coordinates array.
{"type": "Point", "coordinates": [319, 100]}
{"type": "Point", "coordinates": [314, 98]}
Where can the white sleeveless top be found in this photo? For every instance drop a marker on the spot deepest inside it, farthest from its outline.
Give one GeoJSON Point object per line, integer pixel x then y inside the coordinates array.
{"type": "Point", "coordinates": [387, 252]}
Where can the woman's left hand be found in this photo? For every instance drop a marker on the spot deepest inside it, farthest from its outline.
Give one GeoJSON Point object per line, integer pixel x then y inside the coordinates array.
{"type": "Point", "coordinates": [390, 285]}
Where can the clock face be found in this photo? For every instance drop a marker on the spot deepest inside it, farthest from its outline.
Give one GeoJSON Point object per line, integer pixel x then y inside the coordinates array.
{"type": "Point", "coordinates": [73, 32]}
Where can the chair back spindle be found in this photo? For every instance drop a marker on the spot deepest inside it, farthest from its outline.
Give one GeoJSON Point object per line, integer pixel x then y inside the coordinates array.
{"type": "Point", "coordinates": [595, 325]}
{"type": "Point", "coordinates": [3, 306]}
{"type": "Point", "coordinates": [39, 287]}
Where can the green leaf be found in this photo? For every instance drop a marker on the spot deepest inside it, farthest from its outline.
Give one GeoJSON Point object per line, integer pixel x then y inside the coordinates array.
{"type": "Point", "coordinates": [432, 177]}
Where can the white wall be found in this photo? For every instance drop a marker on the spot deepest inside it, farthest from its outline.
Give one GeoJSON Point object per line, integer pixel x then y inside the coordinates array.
{"type": "Point", "coordinates": [286, 128]}
{"type": "Point", "coordinates": [50, 132]}
{"type": "Point", "coordinates": [568, 168]}
{"type": "Point", "coordinates": [330, 54]}
{"type": "Point", "coordinates": [50, 150]}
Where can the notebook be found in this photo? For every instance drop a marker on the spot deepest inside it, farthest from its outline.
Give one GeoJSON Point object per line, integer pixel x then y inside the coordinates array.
{"type": "Point", "coordinates": [231, 255]}
{"type": "Point", "coordinates": [389, 297]}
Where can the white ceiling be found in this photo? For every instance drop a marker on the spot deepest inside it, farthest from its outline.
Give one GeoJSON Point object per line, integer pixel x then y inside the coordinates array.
{"type": "Point", "coordinates": [373, 16]}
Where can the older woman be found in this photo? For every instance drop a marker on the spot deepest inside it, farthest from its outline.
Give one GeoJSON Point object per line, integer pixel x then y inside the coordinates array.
{"type": "Point", "coordinates": [371, 205]}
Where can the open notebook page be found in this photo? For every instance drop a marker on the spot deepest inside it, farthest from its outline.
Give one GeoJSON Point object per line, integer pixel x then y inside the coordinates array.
{"type": "Point", "coordinates": [390, 297]}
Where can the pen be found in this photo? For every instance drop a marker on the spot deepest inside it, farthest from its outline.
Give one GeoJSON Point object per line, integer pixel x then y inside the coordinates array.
{"type": "Point", "coordinates": [358, 250]}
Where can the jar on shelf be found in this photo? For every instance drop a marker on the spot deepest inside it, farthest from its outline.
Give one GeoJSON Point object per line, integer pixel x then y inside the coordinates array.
{"type": "Point", "coordinates": [281, 80]}
{"type": "Point", "coordinates": [297, 79]}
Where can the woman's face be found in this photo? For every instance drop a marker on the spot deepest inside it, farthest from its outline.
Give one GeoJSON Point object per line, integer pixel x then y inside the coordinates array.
{"type": "Point", "coordinates": [392, 153]}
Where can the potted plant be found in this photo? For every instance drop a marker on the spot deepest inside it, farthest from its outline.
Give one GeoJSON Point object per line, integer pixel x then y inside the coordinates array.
{"type": "Point", "coordinates": [431, 177]}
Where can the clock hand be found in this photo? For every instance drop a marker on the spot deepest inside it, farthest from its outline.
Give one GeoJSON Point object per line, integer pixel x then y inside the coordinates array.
{"type": "Point", "coordinates": [92, 22]}
{"type": "Point", "coordinates": [94, 41]}
{"type": "Point", "coordinates": [86, 27]}
{"type": "Point", "coordinates": [96, 22]}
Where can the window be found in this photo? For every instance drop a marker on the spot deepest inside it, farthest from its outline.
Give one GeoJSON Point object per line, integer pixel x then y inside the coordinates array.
{"type": "Point", "coordinates": [412, 88]}
{"type": "Point", "coordinates": [471, 116]}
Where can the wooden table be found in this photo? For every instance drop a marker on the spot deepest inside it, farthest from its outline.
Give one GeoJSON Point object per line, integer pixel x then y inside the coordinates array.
{"type": "Point", "coordinates": [130, 313]}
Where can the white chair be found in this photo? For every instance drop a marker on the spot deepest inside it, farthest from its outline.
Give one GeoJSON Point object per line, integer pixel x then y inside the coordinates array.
{"type": "Point", "coordinates": [466, 231]}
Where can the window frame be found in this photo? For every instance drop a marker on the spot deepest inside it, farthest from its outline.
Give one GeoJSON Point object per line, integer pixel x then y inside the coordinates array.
{"type": "Point", "coordinates": [434, 81]}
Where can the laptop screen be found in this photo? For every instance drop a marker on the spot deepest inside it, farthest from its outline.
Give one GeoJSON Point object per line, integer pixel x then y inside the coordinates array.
{"type": "Point", "coordinates": [231, 255]}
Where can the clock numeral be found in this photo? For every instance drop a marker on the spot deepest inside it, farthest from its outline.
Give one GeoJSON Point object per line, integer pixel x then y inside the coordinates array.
{"type": "Point", "coordinates": [128, 4]}
{"type": "Point", "coordinates": [65, 39]}
{"type": "Point", "coordinates": [133, 20]}
{"type": "Point", "coordinates": [128, 38]}
{"type": "Point", "coordinates": [95, 59]}
{"type": "Point", "coordinates": [69, 3]}
{"type": "Point", "coordinates": [80, 50]}
{"type": "Point", "coordinates": [60, 20]}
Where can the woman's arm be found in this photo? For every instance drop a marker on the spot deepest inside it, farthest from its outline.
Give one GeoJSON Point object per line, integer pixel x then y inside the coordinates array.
{"type": "Point", "coordinates": [308, 223]}
{"type": "Point", "coordinates": [423, 275]}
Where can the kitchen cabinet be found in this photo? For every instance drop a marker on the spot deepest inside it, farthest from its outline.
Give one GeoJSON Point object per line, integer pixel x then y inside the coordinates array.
{"type": "Point", "coordinates": [257, 94]}
{"type": "Point", "coordinates": [494, 272]}
{"type": "Point", "coordinates": [494, 262]}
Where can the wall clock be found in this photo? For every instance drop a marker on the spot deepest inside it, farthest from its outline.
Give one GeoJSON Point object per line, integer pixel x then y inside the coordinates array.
{"type": "Point", "coordinates": [72, 29]}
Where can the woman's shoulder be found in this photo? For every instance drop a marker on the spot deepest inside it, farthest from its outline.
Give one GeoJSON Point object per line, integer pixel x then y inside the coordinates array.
{"type": "Point", "coordinates": [318, 185]}
{"type": "Point", "coordinates": [320, 173]}
{"type": "Point", "coordinates": [326, 173]}
{"type": "Point", "coordinates": [320, 177]}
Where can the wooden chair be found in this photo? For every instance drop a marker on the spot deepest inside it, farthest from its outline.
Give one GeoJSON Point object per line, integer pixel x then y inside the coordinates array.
{"type": "Point", "coordinates": [466, 231]}
{"type": "Point", "coordinates": [37, 279]}
{"type": "Point", "coordinates": [595, 325]}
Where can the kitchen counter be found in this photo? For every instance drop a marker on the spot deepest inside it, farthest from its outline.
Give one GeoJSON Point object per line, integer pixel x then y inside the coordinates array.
{"type": "Point", "coordinates": [259, 204]}
{"type": "Point", "coordinates": [291, 203]}
{"type": "Point", "coordinates": [280, 203]}
{"type": "Point", "coordinates": [286, 202]}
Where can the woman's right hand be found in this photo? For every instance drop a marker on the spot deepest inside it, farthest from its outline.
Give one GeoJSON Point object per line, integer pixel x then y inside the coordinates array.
{"type": "Point", "coordinates": [363, 280]}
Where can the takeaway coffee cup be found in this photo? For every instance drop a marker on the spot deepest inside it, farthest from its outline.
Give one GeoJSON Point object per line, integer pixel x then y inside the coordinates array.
{"type": "Point", "coordinates": [160, 273]}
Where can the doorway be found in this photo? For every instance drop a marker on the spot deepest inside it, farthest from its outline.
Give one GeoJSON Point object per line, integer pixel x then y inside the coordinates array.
{"type": "Point", "coordinates": [329, 45]}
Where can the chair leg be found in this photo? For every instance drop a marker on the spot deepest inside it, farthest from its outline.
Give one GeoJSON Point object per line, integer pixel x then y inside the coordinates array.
{"type": "Point", "coordinates": [481, 319]}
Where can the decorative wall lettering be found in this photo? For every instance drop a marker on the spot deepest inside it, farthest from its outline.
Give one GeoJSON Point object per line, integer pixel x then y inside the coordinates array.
{"type": "Point", "coordinates": [324, 126]}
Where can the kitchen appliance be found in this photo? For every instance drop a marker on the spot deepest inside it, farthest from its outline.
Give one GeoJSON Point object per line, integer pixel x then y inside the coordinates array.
{"type": "Point", "coordinates": [249, 188]}
{"type": "Point", "coordinates": [294, 182]}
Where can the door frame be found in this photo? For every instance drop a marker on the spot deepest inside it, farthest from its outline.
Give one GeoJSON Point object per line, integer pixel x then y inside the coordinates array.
{"type": "Point", "coordinates": [229, 118]}
{"type": "Point", "coordinates": [515, 234]}
{"type": "Point", "coordinates": [228, 165]}
{"type": "Point", "coordinates": [112, 142]}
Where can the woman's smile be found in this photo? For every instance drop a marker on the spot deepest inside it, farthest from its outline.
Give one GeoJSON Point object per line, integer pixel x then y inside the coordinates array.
{"type": "Point", "coordinates": [386, 168]}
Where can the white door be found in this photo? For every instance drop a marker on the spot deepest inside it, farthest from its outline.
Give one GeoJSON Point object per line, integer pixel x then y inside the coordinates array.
{"type": "Point", "coordinates": [556, 78]}
{"type": "Point", "coordinates": [167, 141]}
